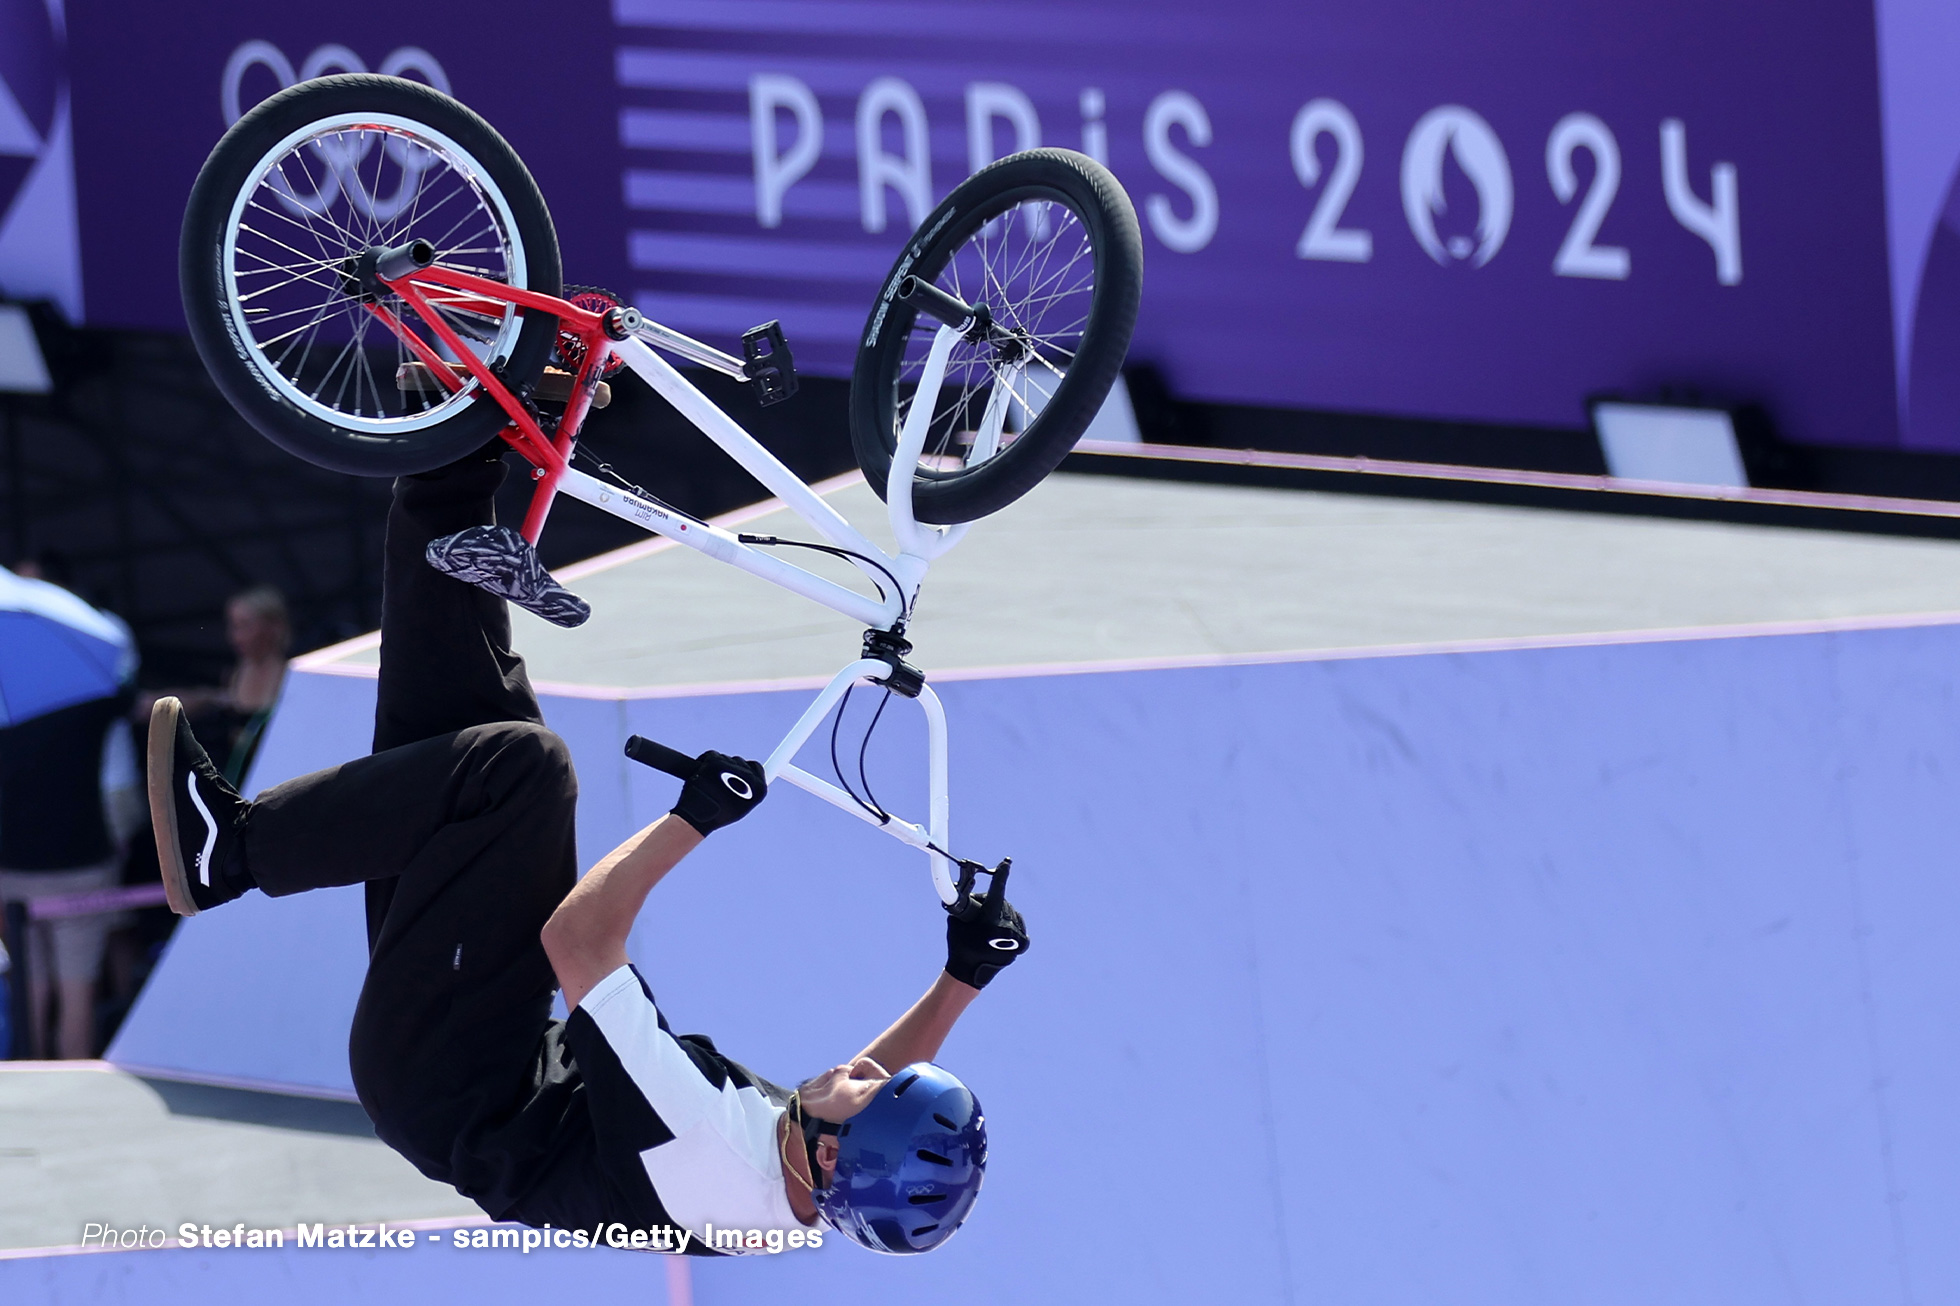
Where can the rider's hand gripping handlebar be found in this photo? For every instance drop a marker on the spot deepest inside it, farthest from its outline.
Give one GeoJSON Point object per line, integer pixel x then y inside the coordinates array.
{"type": "Point", "coordinates": [660, 757]}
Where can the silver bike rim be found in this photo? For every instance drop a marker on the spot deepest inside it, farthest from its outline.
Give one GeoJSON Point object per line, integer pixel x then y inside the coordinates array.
{"type": "Point", "coordinates": [305, 206]}
{"type": "Point", "coordinates": [1034, 267]}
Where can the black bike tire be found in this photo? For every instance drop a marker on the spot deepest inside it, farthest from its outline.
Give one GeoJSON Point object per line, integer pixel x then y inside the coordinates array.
{"type": "Point", "coordinates": [203, 278]}
{"type": "Point", "coordinates": [947, 498]}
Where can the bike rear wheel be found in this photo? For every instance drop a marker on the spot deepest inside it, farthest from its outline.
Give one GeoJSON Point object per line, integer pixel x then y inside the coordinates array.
{"type": "Point", "coordinates": [288, 202]}
{"type": "Point", "coordinates": [1047, 242]}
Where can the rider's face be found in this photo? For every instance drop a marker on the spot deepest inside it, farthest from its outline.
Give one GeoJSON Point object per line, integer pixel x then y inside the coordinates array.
{"type": "Point", "coordinates": [842, 1091]}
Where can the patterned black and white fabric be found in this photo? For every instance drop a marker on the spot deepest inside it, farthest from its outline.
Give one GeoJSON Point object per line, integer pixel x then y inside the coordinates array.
{"type": "Point", "coordinates": [703, 1127]}
{"type": "Point", "coordinates": [498, 559]}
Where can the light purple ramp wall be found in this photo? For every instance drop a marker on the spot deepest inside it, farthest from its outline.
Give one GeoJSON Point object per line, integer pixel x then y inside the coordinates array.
{"type": "Point", "coordinates": [1612, 974]}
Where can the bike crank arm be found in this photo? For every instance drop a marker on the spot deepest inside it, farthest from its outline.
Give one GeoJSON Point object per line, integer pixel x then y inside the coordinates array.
{"type": "Point", "coordinates": [670, 341]}
{"type": "Point", "coordinates": [772, 373]}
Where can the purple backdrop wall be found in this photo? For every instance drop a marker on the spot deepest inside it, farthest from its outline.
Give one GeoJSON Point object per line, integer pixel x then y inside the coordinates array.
{"type": "Point", "coordinates": [1414, 251]}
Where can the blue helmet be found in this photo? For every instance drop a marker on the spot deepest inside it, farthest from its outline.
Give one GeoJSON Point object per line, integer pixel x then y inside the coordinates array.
{"type": "Point", "coordinates": [909, 1165]}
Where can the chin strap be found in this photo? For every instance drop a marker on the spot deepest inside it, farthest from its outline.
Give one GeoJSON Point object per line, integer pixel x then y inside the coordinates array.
{"type": "Point", "coordinates": [813, 1130]}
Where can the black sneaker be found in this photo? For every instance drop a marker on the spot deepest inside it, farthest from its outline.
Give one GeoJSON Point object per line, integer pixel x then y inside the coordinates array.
{"type": "Point", "coordinates": [498, 559]}
{"type": "Point", "coordinates": [196, 815]}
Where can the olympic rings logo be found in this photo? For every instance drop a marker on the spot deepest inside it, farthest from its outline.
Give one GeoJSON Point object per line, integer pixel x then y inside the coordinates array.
{"type": "Point", "coordinates": [340, 175]}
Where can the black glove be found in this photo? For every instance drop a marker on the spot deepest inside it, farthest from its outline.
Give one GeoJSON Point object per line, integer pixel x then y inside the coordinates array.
{"type": "Point", "coordinates": [983, 934]}
{"type": "Point", "coordinates": [721, 791]}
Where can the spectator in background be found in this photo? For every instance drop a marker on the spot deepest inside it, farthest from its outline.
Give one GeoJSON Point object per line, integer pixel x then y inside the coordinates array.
{"type": "Point", "coordinates": [230, 718]}
{"type": "Point", "coordinates": [71, 808]}
{"type": "Point", "coordinates": [71, 798]}
{"type": "Point", "coordinates": [46, 565]}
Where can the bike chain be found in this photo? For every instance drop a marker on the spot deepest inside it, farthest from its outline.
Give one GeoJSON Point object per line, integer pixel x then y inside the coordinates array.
{"type": "Point", "coordinates": [571, 350]}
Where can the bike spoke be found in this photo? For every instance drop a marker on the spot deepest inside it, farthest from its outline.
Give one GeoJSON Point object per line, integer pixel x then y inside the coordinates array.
{"type": "Point", "coordinates": [317, 318]}
{"type": "Point", "coordinates": [306, 345]}
{"type": "Point", "coordinates": [280, 215]}
{"type": "Point", "coordinates": [270, 266]}
{"type": "Point", "coordinates": [414, 216]}
{"type": "Point", "coordinates": [273, 240]}
{"type": "Point", "coordinates": [264, 317]}
{"type": "Point", "coordinates": [309, 278]}
{"type": "Point", "coordinates": [348, 237]}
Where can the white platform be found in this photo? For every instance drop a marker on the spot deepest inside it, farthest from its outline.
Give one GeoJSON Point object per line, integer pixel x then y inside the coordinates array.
{"type": "Point", "coordinates": [1089, 569]}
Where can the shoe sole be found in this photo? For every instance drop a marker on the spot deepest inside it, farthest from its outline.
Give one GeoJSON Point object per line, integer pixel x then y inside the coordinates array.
{"type": "Point", "coordinates": [493, 569]}
{"type": "Point", "coordinates": [163, 805]}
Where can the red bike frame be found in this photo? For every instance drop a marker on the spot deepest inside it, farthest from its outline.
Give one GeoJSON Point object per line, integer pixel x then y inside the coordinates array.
{"type": "Point", "coordinates": [548, 456]}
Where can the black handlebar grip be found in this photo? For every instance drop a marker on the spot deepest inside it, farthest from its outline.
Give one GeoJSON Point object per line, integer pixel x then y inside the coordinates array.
{"type": "Point", "coordinates": [660, 757]}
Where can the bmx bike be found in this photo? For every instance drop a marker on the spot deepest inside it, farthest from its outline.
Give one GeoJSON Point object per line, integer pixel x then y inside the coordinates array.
{"type": "Point", "coordinates": [373, 280]}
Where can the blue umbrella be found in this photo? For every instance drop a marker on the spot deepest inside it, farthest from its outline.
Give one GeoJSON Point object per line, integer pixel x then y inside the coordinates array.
{"type": "Point", "coordinates": [56, 650]}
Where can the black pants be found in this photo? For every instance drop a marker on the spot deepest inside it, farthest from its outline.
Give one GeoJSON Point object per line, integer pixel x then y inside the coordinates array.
{"type": "Point", "coordinates": [460, 825]}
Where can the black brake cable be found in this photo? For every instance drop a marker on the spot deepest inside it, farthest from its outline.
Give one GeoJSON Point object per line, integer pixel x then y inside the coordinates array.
{"type": "Point", "coordinates": [833, 551]}
{"type": "Point", "coordinates": [605, 469]}
{"type": "Point", "coordinates": [869, 802]}
{"type": "Point", "coordinates": [878, 814]}
{"type": "Point", "coordinates": [865, 746]}
{"type": "Point", "coordinates": [873, 807]}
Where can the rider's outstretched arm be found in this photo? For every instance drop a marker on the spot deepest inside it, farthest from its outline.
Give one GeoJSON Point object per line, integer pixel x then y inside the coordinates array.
{"type": "Point", "coordinates": [585, 939]}
{"type": "Point", "coordinates": [983, 935]}
{"type": "Point", "coordinates": [917, 1035]}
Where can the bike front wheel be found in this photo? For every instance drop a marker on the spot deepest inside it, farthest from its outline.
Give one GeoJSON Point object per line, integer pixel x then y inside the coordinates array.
{"type": "Point", "coordinates": [290, 200]}
{"type": "Point", "coordinates": [1046, 243]}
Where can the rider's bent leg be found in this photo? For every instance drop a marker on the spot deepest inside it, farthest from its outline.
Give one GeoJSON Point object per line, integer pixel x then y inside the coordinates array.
{"type": "Point", "coordinates": [441, 800]}
{"type": "Point", "coordinates": [475, 830]}
{"type": "Point", "coordinates": [446, 659]}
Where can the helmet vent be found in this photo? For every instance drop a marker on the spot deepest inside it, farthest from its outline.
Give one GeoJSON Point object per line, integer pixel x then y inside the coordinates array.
{"type": "Point", "coordinates": [926, 1199]}
{"type": "Point", "coordinates": [933, 1157]}
{"type": "Point", "coordinates": [924, 1229]}
{"type": "Point", "coordinates": [944, 1121]}
{"type": "Point", "coordinates": [899, 1089]}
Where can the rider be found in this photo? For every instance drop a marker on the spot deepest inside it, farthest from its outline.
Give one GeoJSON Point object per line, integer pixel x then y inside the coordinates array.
{"type": "Point", "coordinates": [460, 826]}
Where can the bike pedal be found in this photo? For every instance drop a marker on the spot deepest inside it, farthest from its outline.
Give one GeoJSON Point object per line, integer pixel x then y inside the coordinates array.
{"type": "Point", "coordinates": [502, 562]}
{"type": "Point", "coordinates": [771, 370]}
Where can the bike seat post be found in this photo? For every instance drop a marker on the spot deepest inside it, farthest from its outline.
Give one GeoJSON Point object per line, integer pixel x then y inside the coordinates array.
{"type": "Point", "coordinates": [598, 352]}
